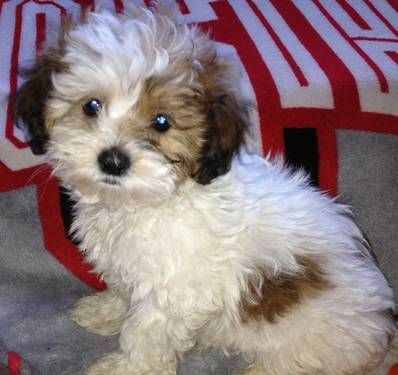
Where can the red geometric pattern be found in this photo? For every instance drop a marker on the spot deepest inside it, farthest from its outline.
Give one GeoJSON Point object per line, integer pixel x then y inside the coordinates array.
{"type": "Point", "coordinates": [350, 86]}
{"type": "Point", "coordinates": [322, 64]}
{"type": "Point", "coordinates": [323, 87]}
{"type": "Point", "coordinates": [24, 28]}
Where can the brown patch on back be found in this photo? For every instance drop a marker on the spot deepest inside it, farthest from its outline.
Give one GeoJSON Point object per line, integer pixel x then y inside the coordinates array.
{"type": "Point", "coordinates": [277, 296]}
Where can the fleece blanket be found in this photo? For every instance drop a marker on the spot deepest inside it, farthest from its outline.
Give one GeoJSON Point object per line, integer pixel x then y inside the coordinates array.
{"type": "Point", "coordinates": [324, 76]}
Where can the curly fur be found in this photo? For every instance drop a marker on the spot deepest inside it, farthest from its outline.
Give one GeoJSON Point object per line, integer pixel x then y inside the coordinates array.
{"type": "Point", "coordinates": [201, 242]}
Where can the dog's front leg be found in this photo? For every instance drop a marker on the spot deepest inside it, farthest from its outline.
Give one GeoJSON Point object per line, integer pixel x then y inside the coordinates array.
{"type": "Point", "coordinates": [145, 348]}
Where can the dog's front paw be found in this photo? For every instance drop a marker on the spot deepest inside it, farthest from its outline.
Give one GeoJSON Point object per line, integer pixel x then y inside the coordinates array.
{"type": "Point", "coordinates": [118, 363]}
{"type": "Point", "coordinates": [101, 313]}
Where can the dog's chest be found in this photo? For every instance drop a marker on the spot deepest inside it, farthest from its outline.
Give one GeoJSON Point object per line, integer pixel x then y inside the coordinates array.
{"type": "Point", "coordinates": [149, 247]}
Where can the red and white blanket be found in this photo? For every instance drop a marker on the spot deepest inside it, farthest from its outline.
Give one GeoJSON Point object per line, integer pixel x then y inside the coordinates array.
{"type": "Point", "coordinates": [324, 76]}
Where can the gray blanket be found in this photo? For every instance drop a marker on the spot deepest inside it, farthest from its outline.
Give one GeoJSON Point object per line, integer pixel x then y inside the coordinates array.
{"type": "Point", "coordinates": [37, 292]}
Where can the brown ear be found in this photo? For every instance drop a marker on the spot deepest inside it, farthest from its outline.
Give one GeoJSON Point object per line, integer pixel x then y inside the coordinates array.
{"type": "Point", "coordinates": [227, 122]}
{"type": "Point", "coordinates": [31, 99]}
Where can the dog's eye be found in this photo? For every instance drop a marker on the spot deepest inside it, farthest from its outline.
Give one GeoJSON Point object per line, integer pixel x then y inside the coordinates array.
{"type": "Point", "coordinates": [92, 107]}
{"type": "Point", "coordinates": [160, 123]}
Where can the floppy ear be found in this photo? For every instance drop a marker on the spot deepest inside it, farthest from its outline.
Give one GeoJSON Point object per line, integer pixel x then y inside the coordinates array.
{"type": "Point", "coordinates": [227, 121]}
{"type": "Point", "coordinates": [31, 99]}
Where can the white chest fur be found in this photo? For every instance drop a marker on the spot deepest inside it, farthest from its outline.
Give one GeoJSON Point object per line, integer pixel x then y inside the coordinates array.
{"type": "Point", "coordinates": [148, 248]}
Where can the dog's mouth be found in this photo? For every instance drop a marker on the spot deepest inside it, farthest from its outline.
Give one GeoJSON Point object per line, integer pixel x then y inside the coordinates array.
{"type": "Point", "coordinates": [113, 181]}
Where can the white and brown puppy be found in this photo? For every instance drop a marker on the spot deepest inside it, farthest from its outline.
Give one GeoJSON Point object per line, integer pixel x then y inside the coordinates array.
{"type": "Point", "coordinates": [200, 242]}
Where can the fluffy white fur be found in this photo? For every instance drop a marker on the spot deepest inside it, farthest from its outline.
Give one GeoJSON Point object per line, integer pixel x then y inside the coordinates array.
{"type": "Point", "coordinates": [176, 254]}
{"type": "Point", "coordinates": [181, 268]}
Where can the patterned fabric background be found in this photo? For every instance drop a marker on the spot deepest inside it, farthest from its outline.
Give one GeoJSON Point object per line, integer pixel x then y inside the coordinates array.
{"type": "Point", "coordinates": [324, 76]}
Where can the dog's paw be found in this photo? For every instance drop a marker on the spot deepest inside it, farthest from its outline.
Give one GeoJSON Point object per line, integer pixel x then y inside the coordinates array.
{"type": "Point", "coordinates": [118, 363]}
{"type": "Point", "coordinates": [101, 313]}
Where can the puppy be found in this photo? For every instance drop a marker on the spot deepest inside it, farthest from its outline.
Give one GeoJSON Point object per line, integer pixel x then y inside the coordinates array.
{"type": "Point", "coordinates": [201, 243]}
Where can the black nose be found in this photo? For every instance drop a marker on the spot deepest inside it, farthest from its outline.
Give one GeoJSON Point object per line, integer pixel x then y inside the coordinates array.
{"type": "Point", "coordinates": [113, 161]}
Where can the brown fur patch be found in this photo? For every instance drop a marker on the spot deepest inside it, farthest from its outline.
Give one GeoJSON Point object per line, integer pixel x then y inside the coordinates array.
{"type": "Point", "coordinates": [226, 125]}
{"type": "Point", "coordinates": [184, 106]}
{"type": "Point", "coordinates": [208, 123]}
{"type": "Point", "coordinates": [227, 118]}
{"type": "Point", "coordinates": [33, 94]}
{"type": "Point", "coordinates": [277, 296]}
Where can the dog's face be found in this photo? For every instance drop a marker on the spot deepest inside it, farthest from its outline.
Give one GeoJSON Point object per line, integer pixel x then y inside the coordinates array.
{"type": "Point", "coordinates": [128, 107]}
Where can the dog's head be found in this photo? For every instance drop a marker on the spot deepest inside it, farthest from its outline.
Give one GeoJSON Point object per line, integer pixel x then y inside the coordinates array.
{"type": "Point", "coordinates": [128, 107]}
